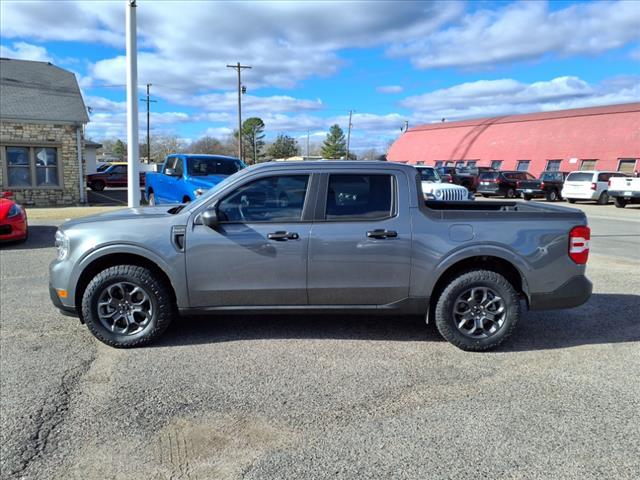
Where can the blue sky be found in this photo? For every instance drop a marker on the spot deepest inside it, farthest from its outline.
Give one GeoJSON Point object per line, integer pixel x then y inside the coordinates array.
{"type": "Point", "coordinates": [314, 61]}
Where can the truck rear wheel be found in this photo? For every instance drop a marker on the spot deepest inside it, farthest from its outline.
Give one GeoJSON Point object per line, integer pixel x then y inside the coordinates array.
{"type": "Point", "coordinates": [619, 202]}
{"type": "Point", "coordinates": [127, 306]}
{"type": "Point", "coordinates": [478, 310]}
{"type": "Point", "coordinates": [97, 185]}
{"type": "Point", "coordinates": [603, 199]}
{"type": "Point", "coordinates": [552, 196]}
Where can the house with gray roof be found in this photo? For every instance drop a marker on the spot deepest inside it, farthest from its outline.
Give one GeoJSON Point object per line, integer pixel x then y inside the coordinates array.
{"type": "Point", "coordinates": [42, 119]}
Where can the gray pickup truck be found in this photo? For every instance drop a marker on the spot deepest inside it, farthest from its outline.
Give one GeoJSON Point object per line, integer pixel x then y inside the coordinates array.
{"type": "Point", "coordinates": [321, 237]}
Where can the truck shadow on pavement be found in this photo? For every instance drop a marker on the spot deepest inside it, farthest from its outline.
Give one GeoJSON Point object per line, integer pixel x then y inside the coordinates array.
{"type": "Point", "coordinates": [605, 318]}
{"type": "Point", "coordinates": [40, 236]}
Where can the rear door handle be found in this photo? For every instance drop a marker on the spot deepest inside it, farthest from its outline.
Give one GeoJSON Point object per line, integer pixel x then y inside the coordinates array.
{"type": "Point", "coordinates": [381, 233]}
{"type": "Point", "coordinates": [282, 236]}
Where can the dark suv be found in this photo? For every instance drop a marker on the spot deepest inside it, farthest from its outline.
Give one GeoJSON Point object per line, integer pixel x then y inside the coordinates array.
{"type": "Point", "coordinates": [502, 184]}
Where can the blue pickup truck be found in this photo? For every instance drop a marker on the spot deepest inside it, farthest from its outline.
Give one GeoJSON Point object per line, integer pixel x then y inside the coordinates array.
{"type": "Point", "coordinates": [183, 177]}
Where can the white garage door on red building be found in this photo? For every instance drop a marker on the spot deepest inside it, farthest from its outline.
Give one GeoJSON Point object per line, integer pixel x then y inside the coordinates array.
{"type": "Point", "coordinates": [595, 138]}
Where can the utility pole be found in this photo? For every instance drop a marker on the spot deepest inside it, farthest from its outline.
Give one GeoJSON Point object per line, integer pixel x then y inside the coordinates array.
{"type": "Point", "coordinates": [349, 133]}
{"type": "Point", "coordinates": [307, 144]}
{"type": "Point", "coordinates": [239, 68]}
{"type": "Point", "coordinates": [133, 151]}
{"type": "Point", "coordinates": [148, 100]}
{"type": "Point", "coordinates": [255, 151]}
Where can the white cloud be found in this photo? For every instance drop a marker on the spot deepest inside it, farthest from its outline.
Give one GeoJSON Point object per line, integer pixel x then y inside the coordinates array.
{"type": "Point", "coordinates": [526, 30]}
{"type": "Point", "coordinates": [486, 98]}
{"type": "Point", "coordinates": [25, 51]}
{"type": "Point", "coordinates": [389, 89]}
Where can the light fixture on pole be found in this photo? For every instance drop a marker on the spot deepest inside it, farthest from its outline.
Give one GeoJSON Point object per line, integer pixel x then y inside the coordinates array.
{"type": "Point", "coordinates": [241, 89]}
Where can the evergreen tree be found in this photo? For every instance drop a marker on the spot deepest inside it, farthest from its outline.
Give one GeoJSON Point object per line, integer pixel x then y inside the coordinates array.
{"type": "Point", "coordinates": [284, 146]}
{"type": "Point", "coordinates": [120, 149]}
{"type": "Point", "coordinates": [335, 145]}
{"type": "Point", "coordinates": [252, 138]}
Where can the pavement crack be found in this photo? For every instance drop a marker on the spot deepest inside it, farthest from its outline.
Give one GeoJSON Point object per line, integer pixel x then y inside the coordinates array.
{"type": "Point", "coordinates": [49, 417]}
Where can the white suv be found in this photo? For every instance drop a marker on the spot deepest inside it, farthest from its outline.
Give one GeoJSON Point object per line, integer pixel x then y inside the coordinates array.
{"type": "Point", "coordinates": [588, 185]}
{"type": "Point", "coordinates": [434, 188]}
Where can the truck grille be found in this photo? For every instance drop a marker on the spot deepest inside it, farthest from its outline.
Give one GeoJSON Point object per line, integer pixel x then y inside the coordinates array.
{"type": "Point", "coordinates": [453, 195]}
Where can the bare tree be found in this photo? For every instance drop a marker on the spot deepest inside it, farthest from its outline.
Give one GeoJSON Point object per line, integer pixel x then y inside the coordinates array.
{"type": "Point", "coordinates": [164, 145]}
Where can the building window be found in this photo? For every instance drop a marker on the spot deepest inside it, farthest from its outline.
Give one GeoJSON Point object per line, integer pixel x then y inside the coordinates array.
{"type": "Point", "coordinates": [420, 162]}
{"type": "Point", "coordinates": [553, 165]}
{"type": "Point", "coordinates": [438, 163]}
{"type": "Point", "coordinates": [588, 165]}
{"type": "Point", "coordinates": [459, 163]}
{"type": "Point", "coordinates": [448, 163]}
{"type": "Point", "coordinates": [523, 165]}
{"type": "Point", "coordinates": [496, 164]}
{"type": "Point", "coordinates": [627, 165]}
{"type": "Point", "coordinates": [31, 167]}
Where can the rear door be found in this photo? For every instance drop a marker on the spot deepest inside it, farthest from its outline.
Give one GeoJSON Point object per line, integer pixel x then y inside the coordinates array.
{"type": "Point", "coordinates": [360, 243]}
{"type": "Point", "coordinates": [117, 176]}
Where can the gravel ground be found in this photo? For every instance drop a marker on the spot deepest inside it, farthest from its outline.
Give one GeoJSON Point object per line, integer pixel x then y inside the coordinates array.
{"type": "Point", "coordinates": [322, 397]}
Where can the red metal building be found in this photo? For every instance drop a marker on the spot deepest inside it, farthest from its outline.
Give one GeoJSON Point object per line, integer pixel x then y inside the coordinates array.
{"type": "Point", "coordinates": [602, 138]}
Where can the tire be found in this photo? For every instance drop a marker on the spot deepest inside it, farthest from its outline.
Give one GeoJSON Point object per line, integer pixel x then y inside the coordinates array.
{"type": "Point", "coordinates": [603, 199]}
{"type": "Point", "coordinates": [510, 193]}
{"type": "Point", "coordinates": [552, 196]}
{"type": "Point", "coordinates": [527, 197]}
{"type": "Point", "coordinates": [152, 199]}
{"type": "Point", "coordinates": [185, 199]}
{"type": "Point", "coordinates": [97, 186]}
{"type": "Point", "coordinates": [619, 202]}
{"type": "Point", "coordinates": [109, 285]}
{"type": "Point", "coordinates": [447, 319]}
{"type": "Point", "coordinates": [571, 200]}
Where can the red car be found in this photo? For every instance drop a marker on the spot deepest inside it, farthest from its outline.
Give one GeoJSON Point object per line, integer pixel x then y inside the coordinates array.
{"type": "Point", "coordinates": [113, 176]}
{"type": "Point", "coordinates": [13, 220]}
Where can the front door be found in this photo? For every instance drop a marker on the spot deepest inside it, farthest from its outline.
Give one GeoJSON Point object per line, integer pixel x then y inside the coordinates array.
{"type": "Point", "coordinates": [258, 253]}
{"type": "Point", "coordinates": [360, 251]}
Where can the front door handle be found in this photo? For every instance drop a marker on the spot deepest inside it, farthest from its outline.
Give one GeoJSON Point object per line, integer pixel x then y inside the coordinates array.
{"type": "Point", "coordinates": [282, 236]}
{"type": "Point", "coordinates": [381, 233]}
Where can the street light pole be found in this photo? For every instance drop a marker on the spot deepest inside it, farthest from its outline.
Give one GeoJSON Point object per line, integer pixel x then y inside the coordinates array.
{"type": "Point", "coordinates": [349, 133]}
{"type": "Point", "coordinates": [239, 68]}
{"type": "Point", "coordinates": [133, 177]}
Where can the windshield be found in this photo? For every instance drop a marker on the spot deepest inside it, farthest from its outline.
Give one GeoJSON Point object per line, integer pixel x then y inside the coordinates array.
{"type": "Point", "coordinates": [551, 176]}
{"type": "Point", "coordinates": [488, 176]}
{"type": "Point", "coordinates": [580, 177]}
{"type": "Point", "coordinates": [428, 175]}
{"type": "Point", "coordinates": [201, 166]}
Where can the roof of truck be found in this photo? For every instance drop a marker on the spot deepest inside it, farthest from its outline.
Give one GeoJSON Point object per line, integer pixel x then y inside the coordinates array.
{"type": "Point", "coordinates": [322, 164]}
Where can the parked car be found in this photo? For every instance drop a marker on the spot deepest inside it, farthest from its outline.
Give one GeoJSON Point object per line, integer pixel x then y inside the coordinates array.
{"type": "Point", "coordinates": [102, 166]}
{"type": "Point", "coordinates": [13, 220]}
{"type": "Point", "coordinates": [115, 175]}
{"type": "Point", "coordinates": [459, 176]}
{"type": "Point", "coordinates": [624, 190]}
{"type": "Point", "coordinates": [346, 236]}
{"type": "Point", "coordinates": [183, 178]}
{"type": "Point", "coordinates": [434, 189]}
{"type": "Point", "coordinates": [548, 185]}
{"type": "Point", "coordinates": [502, 184]}
{"type": "Point", "coordinates": [588, 185]}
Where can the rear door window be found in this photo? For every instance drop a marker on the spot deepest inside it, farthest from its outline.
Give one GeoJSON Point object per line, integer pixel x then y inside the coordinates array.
{"type": "Point", "coordinates": [359, 197]}
{"type": "Point", "coordinates": [580, 177]}
{"type": "Point", "coordinates": [488, 176]}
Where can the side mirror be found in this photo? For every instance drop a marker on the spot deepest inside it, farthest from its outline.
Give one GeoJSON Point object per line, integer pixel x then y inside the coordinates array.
{"type": "Point", "coordinates": [171, 172]}
{"type": "Point", "coordinates": [210, 217]}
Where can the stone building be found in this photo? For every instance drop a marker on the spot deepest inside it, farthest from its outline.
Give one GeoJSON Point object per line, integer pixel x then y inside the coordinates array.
{"type": "Point", "coordinates": [42, 117]}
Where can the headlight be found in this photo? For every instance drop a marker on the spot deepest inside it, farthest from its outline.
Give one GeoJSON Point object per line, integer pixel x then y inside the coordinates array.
{"type": "Point", "coordinates": [198, 191]}
{"type": "Point", "coordinates": [471, 196]}
{"type": "Point", "coordinates": [14, 211]}
{"type": "Point", "coordinates": [438, 193]}
{"type": "Point", "coordinates": [62, 244]}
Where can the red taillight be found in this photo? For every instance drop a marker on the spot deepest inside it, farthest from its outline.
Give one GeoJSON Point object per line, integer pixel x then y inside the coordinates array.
{"type": "Point", "coordinates": [579, 244]}
{"type": "Point", "coordinates": [594, 186]}
{"type": "Point", "coordinates": [518, 184]}
{"type": "Point", "coordinates": [541, 184]}
{"type": "Point", "coordinates": [609, 183]}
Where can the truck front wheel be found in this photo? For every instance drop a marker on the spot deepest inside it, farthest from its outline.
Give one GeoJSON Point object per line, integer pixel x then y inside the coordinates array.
{"type": "Point", "coordinates": [152, 199]}
{"type": "Point", "coordinates": [619, 202]}
{"type": "Point", "coordinates": [478, 310]}
{"type": "Point", "coordinates": [127, 306]}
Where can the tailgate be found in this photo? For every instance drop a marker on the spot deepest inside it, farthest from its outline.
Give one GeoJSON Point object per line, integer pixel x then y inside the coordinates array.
{"type": "Point", "coordinates": [529, 184]}
{"type": "Point", "coordinates": [627, 184]}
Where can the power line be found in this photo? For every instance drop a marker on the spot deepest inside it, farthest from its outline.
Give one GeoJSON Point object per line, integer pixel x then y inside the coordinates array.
{"type": "Point", "coordinates": [241, 90]}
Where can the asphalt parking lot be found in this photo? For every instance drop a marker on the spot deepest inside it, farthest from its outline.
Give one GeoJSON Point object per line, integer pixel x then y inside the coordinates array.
{"type": "Point", "coordinates": [325, 397]}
